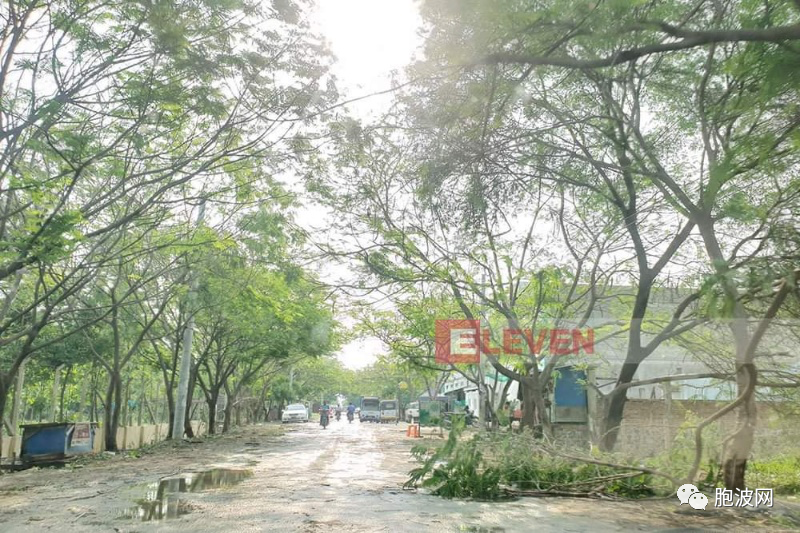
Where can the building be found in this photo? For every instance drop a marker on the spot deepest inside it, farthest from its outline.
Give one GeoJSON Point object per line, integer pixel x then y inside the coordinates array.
{"type": "Point", "coordinates": [710, 353]}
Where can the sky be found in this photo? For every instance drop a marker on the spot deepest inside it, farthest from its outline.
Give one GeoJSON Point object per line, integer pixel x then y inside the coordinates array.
{"type": "Point", "coordinates": [370, 39]}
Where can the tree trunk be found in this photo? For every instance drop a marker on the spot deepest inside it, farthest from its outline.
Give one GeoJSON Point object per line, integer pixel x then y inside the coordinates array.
{"type": "Point", "coordinates": [212, 413]}
{"type": "Point", "coordinates": [226, 424]}
{"type": "Point", "coordinates": [113, 400]}
{"type": "Point", "coordinates": [5, 385]}
{"type": "Point", "coordinates": [229, 397]}
{"type": "Point", "coordinates": [616, 409]}
{"type": "Point", "coordinates": [170, 410]}
{"type": "Point", "coordinates": [54, 396]}
{"type": "Point", "coordinates": [18, 388]}
{"type": "Point", "coordinates": [187, 416]}
{"type": "Point", "coordinates": [61, 394]}
{"type": "Point", "coordinates": [734, 463]}
{"type": "Point", "coordinates": [93, 401]}
{"type": "Point", "coordinates": [544, 427]}
{"type": "Point", "coordinates": [501, 404]}
{"type": "Point", "coordinates": [85, 386]}
{"type": "Point", "coordinates": [528, 404]}
{"type": "Point", "coordinates": [126, 405]}
{"type": "Point", "coordinates": [140, 407]}
{"type": "Point", "coordinates": [156, 415]}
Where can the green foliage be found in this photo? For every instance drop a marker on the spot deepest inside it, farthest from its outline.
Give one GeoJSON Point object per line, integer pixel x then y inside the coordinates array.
{"type": "Point", "coordinates": [781, 474]}
{"type": "Point", "coordinates": [455, 470]}
{"type": "Point", "coordinates": [132, 114]}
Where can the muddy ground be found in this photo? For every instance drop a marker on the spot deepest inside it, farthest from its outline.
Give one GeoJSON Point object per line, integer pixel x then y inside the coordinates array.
{"type": "Point", "coordinates": [306, 479]}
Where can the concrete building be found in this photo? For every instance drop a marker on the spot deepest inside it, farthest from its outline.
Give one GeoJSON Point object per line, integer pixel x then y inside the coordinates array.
{"type": "Point", "coordinates": [569, 402]}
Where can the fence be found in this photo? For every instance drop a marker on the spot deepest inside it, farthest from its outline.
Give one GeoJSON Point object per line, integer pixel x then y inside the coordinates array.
{"type": "Point", "coordinates": [128, 437]}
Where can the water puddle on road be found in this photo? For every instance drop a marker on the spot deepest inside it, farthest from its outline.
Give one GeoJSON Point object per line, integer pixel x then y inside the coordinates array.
{"type": "Point", "coordinates": [163, 498]}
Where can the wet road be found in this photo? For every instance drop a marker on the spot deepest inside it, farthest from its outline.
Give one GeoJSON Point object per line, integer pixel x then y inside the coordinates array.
{"type": "Point", "coordinates": [346, 478]}
{"type": "Point", "coordinates": [349, 478]}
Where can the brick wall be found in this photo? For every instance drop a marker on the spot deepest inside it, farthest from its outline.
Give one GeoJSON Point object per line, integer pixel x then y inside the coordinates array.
{"type": "Point", "coordinates": [572, 435]}
{"type": "Point", "coordinates": [651, 427]}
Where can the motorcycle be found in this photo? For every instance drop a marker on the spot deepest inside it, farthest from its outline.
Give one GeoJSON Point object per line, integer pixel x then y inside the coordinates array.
{"type": "Point", "coordinates": [338, 415]}
{"type": "Point", "coordinates": [349, 417]}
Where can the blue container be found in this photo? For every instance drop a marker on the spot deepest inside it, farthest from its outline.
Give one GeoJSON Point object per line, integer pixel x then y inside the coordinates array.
{"type": "Point", "coordinates": [570, 403]}
{"type": "Point", "coordinates": [56, 440]}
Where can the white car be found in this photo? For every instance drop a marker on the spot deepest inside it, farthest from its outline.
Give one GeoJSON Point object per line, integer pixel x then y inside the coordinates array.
{"type": "Point", "coordinates": [295, 412]}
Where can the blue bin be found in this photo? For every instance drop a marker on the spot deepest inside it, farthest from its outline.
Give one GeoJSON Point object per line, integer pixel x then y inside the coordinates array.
{"type": "Point", "coordinates": [56, 440]}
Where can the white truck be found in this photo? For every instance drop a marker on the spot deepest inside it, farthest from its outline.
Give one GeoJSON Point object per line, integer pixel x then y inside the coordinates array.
{"type": "Point", "coordinates": [390, 411]}
{"type": "Point", "coordinates": [370, 409]}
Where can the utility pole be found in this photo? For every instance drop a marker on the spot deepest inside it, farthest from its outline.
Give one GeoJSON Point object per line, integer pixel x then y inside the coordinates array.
{"type": "Point", "coordinates": [186, 356]}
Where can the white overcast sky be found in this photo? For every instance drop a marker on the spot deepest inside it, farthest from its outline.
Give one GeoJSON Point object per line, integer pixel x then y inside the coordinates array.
{"type": "Point", "coordinates": [370, 39]}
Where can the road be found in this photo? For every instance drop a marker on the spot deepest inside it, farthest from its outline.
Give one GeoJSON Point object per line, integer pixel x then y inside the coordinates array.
{"type": "Point", "coordinates": [346, 478]}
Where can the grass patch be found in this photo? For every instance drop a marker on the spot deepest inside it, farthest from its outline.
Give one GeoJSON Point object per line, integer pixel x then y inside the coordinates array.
{"type": "Point", "coordinates": [781, 474]}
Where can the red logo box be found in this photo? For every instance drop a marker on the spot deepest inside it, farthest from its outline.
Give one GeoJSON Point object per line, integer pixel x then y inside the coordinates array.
{"type": "Point", "coordinates": [458, 341]}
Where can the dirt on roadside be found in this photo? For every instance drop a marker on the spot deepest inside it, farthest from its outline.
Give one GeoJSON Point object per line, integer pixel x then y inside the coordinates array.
{"type": "Point", "coordinates": [99, 489]}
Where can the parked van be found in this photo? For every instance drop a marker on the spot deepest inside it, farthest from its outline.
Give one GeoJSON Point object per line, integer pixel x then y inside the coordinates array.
{"type": "Point", "coordinates": [412, 412]}
{"type": "Point", "coordinates": [390, 411]}
{"type": "Point", "coordinates": [370, 410]}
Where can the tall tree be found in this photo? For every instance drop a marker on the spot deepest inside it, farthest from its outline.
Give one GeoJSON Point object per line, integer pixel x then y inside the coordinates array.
{"type": "Point", "coordinates": [114, 113]}
{"type": "Point", "coordinates": [601, 93]}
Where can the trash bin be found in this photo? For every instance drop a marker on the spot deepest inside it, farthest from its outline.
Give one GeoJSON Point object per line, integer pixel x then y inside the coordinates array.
{"type": "Point", "coordinates": [56, 440]}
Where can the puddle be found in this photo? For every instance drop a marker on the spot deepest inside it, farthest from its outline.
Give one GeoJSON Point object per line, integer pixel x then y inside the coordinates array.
{"type": "Point", "coordinates": [480, 529]}
{"type": "Point", "coordinates": [163, 499]}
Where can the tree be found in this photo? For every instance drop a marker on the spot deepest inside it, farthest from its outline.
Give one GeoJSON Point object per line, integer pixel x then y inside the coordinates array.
{"type": "Point", "coordinates": [436, 223]}
{"type": "Point", "coordinates": [114, 113]}
{"type": "Point", "coordinates": [616, 119]}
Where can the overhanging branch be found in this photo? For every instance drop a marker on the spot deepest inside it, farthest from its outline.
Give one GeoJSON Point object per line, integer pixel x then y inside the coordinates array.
{"type": "Point", "coordinates": [688, 40]}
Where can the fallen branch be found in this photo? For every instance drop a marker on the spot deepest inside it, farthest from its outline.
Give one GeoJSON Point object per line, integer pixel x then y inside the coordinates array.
{"type": "Point", "coordinates": [602, 479]}
{"type": "Point", "coordinates": [548, 493]}
{"type": "Point", "coordinates": [641, 469]}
